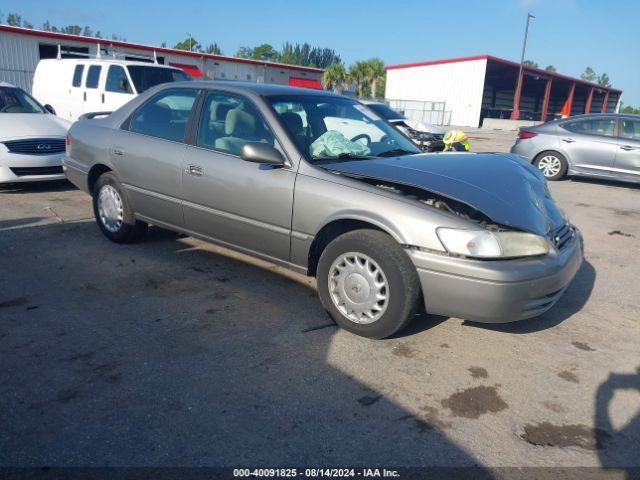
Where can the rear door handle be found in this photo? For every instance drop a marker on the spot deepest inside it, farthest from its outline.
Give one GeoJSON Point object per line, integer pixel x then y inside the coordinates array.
{"type": "Point", "coordinates": [84, 96]}
{"type": "Point", "coordinates": [117, 151]}
{"type": "Point", "coordinates": [103, 98]}
{"type": "Point", "coordinates": [568, 140]}
{"type": "Point", "coordinates": [195, 170]}
{"type": "Point", "coordinates": [627, 147]}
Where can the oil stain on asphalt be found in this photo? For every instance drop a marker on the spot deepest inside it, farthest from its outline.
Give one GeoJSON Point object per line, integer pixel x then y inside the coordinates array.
{"type": "Point", "coordinates": [473, 402]}
{"type": "Point", "coordinates": [478, 372]}
{"type": "Point", "coordinates": [403, 350]}
{"type": "Point", "coordinates": [548, 435]}
{"type": "Point", "coordinates": [569, 376]}
{"type": "Point", "coordinates": [583, 346]}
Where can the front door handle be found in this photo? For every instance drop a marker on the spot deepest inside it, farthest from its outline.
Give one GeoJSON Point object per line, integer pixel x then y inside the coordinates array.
{"type": "Point", "coordinates": [627, 147]}
{"type": "Point", "coordinates": [84, 96]}
{"type": "Point", "coordinates": [568, 140]}
{"type": "Point", "coordinates": [195, 170]}
{"type": "Point", "coordinates": [117, 151]}
{"type": "Point", "coordinates": [103, 98]}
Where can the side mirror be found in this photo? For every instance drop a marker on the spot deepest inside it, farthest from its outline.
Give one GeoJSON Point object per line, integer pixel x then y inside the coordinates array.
{"type": "Point", "coordinates": [50, 109]}
{"type": "Point", "coordinates": [258, 152]}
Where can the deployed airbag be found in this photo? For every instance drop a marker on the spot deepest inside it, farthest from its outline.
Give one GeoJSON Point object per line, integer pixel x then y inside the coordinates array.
{"type": "Point", "coordinates": [333, 143]}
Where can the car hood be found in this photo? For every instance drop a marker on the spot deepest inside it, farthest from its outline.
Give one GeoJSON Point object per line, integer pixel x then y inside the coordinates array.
{"type": "Point", "coordinates": [420, 126]}
{"type": "Point", "coordinates": [506, 189]}
{"type": "Point", "coordinates": [23, 125]}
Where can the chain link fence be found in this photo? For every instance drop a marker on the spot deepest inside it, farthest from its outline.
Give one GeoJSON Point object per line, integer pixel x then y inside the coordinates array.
{"type": "Point", "coordinates": [429, 112]}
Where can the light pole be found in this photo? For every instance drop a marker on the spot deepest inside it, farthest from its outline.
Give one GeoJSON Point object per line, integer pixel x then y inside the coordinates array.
{"type": "Point", "coordinates": [515, 113]}
{"type": "Point", "coordinates": [190, 41]}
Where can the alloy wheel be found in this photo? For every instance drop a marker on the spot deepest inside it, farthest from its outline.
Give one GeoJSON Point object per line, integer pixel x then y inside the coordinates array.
{"type": "Point", "coordinates": [550, 165]}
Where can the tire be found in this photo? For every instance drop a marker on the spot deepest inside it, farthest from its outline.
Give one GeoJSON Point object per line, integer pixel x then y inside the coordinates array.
{"type": "Point", "coordinates": [553, 165]}
{"type": "Point", "coordinates": [384, 262]}
{"type": "Point", "coordinates": [113, 211]}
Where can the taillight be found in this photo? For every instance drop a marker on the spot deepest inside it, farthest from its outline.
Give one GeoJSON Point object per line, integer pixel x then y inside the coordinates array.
{"type": "Point", "coordinates": [524, 134]}
{"type": "Point", "coordinates": [68, 140]}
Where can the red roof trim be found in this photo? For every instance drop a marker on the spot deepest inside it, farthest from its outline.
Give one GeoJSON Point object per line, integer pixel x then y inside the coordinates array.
{"type": "Point", "coordinates": [150, 48]}
{"type": "Point", "coordinates": [305, 83]}
{"type": "Point", "coordinates": [190, 70]}
{"type": "Point", "coordinates": [500, 60]}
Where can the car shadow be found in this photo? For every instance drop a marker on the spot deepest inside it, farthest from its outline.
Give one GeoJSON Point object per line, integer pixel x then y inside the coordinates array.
{"type": "Point", "coordinates": [169, 352]}
{"type": "Point", "coordinates": [617, 447]}
{"type": "Point", "coordinates": [572, 301]}
{"type": "Point", "coordinates": [33, 187]}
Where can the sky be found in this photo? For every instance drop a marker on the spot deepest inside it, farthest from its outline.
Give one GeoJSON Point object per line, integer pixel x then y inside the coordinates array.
{"type": "Point", "coordinates": [569, 34]}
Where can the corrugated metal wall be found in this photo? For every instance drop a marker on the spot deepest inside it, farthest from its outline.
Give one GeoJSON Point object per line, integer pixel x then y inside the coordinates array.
{"type": "Point", "coordinates": [460, 85]}
{"type": "Point", "coordinates": [19, 55]}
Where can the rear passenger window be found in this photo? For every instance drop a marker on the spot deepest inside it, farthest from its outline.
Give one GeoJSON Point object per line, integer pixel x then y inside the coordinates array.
{"type": "Point", "coordinates": [165, 115]}
{"type": "Point", "coordinates": [228, 122]}
{"type": "Point", "coordinates": [630, 129]}
{"type": "Point", "coordinates": [603, 127]}
{"type": "Point", "coordinates": [77, 75]}
{"type": "Point", "coordinates": [93, 76]}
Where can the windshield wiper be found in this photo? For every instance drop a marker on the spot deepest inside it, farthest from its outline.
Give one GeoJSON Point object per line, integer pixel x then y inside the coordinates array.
{"type": "Point", "coordinates": [345, 156]}
{"type": "Point", "coordinates": [394, 152]}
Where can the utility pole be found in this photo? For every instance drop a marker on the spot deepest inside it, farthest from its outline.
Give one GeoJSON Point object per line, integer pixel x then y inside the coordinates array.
{"type": "Point", "coordinates": [190, 41]}
{"type": "Point", "coordinates": [515, 113]}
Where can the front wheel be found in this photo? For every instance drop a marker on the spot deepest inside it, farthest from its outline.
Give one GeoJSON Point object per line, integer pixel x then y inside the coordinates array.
{"type": "Point", "coordinates": [114, 213]}
{"type": "Point", "coordinates": [553, 165]}
{"type": "Point", "coordinates": [368, 284]}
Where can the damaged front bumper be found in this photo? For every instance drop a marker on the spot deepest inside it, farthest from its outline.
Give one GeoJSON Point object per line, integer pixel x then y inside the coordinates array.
{"type": "Point", "coordinates": [497, 291]}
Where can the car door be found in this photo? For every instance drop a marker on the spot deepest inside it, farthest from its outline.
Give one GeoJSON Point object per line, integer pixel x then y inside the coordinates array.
{"type": "Point", "coordinates": [117, 89]}
{"type": "Point", "coordinates": [590, 144]}
{"type": "Point", "coordinates": [147, 153]}
{"type": "Point", "coordinates": [246, 205]}
{"type": "Point", "coordinates": [75, 101]}
{"type": "Point", "coordinates": [627, 163]}
{"type": "Point", "coordinates": [92, 92]}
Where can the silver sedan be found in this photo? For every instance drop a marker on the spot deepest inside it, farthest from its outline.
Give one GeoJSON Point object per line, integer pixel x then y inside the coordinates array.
{"type": "Point", "coordinates": [598, 145]}
{"type": "Point", "coordinates": [319, 183]}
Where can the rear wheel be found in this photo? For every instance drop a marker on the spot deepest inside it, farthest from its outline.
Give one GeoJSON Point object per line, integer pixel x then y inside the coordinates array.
{"type": "Point", "coordinates": [553, 165]}
{"type": "Point", "coordinates": [368, 284]}
{"type": "Point", "coordinates": [114, 213]}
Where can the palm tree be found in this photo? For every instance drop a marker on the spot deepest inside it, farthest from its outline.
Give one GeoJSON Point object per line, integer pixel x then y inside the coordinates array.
{"type": "Point", "coordinates": [375, 67]}
{"type": "Point", "coordinates": [335, 76]}
{"type": "Point", "coordinates": [358, 72]}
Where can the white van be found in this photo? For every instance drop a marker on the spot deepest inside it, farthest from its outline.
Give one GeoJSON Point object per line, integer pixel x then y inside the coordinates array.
{"type": "Point", "coordinates": [74, 87]}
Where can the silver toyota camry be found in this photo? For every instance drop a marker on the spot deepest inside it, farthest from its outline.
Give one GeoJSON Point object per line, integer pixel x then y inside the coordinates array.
{"type": "Point", "coordinates": [319, 183]}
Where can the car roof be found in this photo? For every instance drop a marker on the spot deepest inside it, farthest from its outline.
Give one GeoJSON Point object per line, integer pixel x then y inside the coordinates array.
{"type": "Point", "coordinates": [114, 61]}
{"type": "Point", "coordinates": [262, 89]}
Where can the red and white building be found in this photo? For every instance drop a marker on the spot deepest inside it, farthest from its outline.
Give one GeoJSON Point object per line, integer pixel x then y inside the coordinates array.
{"type": "Point", "coordinates": [483, 86]}
{"type": "Point", "coordinates": [21, 49]}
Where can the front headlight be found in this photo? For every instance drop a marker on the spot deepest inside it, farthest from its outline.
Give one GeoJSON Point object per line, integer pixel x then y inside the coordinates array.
{"type": "Point", "coordinates": [486, 244]}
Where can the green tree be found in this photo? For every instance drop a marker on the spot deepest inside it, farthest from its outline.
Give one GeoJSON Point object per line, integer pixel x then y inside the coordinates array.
{"type": "Point", "coordinates": [87, 32]}
{"type": "Point", "coordinates": [589, 75]}
{"type": "Point", "coordinates": [335, 77]}
{"type": "Point", "coordinates": [530, 63]}
{"type": "Point", "coordinates": [14, 20]}
{"type": "Point", "coordinates": [550, 68]}
{"type": "Point", "coordinates": [72, 29]}
{"type": "Point", "coordinates": [359, 75]}
{"type": "Point", "coordinates": [265, 52]}
{"type": "Point", "coordinates": [213, 48]}
{"type": "Point", "coordinates": [189, 43]}
{"type": "Point", "coordinates": [26, 24]}
{"type": "Point", "coordinates": [244, 52]}
{"type": "Point", "coordinates": [604, 80]}
{"type": "Point", "coordinates": [98, 34]}
{"type": "Point", "coordinates": [375, 72]}
{"type": "Point", "coordinates": [629, 109]}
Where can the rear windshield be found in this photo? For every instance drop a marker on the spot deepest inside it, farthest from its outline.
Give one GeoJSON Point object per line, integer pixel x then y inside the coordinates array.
{"type": "Point", "coordinates": [144, 77]}
{"type": "Point", "coordinates": [15, 100]}
{"type": "Point", "coordinates": [386, 112]}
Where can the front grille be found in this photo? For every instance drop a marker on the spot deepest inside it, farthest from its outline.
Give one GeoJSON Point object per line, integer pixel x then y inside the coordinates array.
{"type": "Point", "coordinates": [27, 171]}
{"type": "Point", "coordinates": [36, 146]}
{"type": "Point", "coordinates": [562, 236]}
